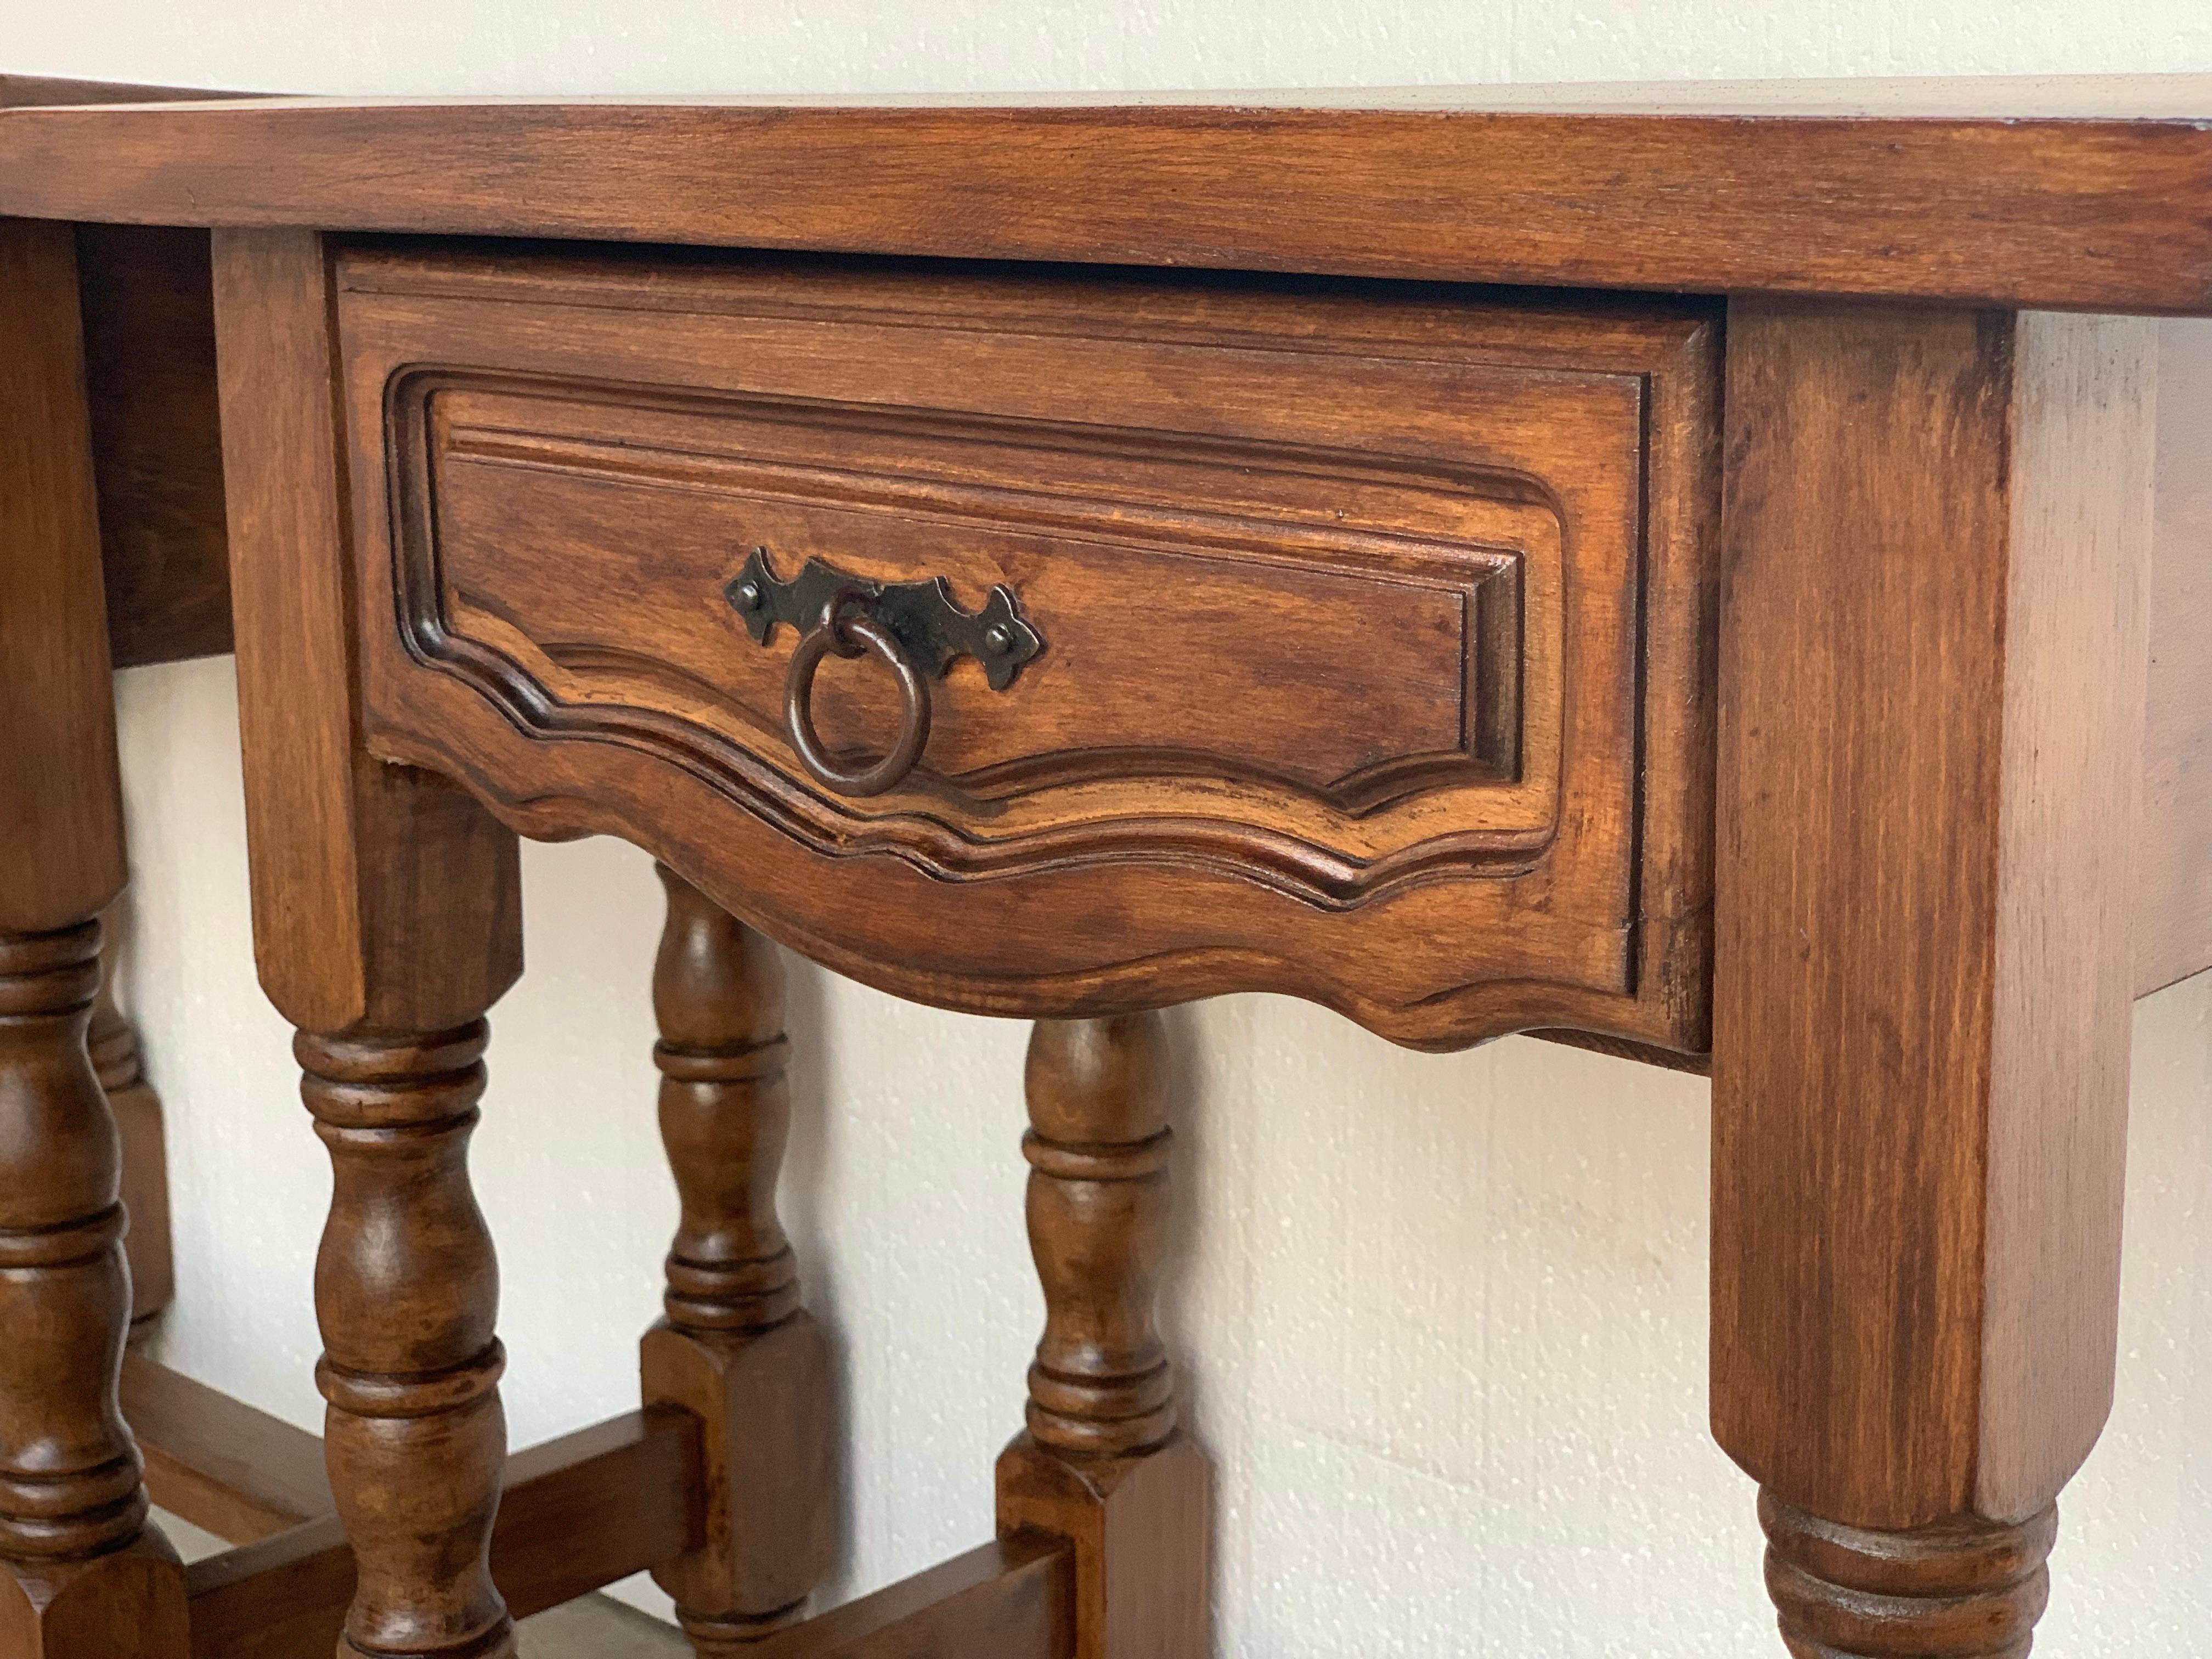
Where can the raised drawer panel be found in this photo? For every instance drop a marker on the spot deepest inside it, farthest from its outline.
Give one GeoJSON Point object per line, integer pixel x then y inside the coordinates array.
{"type": "Point", "coordinates": [1345, 600]}
{"type": "Point", "coordinates": [1341, 667]}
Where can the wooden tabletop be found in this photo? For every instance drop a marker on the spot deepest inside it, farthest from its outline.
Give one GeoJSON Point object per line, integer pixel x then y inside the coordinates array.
{"type": "Point", "coordinates": [2087, 193]}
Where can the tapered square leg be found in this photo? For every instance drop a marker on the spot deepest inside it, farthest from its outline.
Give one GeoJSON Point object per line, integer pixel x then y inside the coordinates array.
{"type": "Point", "coordinates": [1932, 683]}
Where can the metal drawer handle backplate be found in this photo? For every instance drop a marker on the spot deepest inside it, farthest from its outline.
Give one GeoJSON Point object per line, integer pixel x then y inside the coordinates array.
{"type": "Point", "coordinates": [917, 628]}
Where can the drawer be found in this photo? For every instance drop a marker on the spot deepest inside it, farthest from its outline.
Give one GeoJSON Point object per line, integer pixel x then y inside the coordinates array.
{"type": "Point", "coordinates": [1351, 640]}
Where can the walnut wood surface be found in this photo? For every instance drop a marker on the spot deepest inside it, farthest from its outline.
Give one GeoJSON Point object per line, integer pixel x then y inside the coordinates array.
{"type": "Point", "coordinates": [1098, 1146]}
{"type": "Point", "coordinates": [2036, 195]}
{"type": "Point", "coordinates": [386, 923]}
{"type": "Point", "coordinates": [577, 1514]}
{"type": "Point", "coordinates": [735, 1349]}
{"type": "Point", "coordinates": [81, 1576]}
{"type": "Point", "coordinates": [222, 1465]}
{"type": "Point", "coordinates": [406, 1290]}
{"type": "Point", "coordinates": [156, 448]}
{"type": "Point", "coordinates": [1345, 692]}
{"type": "Point", "coordinates": [157, 441]}
{"type": "Point", "coordinates": [1008, 1600]}
{"type": "Point", "coordinates": [26, 91]}
{"type": "Point", "coordinates": [80, 1572]}
{"type": "Point", "coordinates": [1102, 1463]}
{"type": "Point", "coordinates": [1934, 620]}
{"type": "Point", "coordinates": [1962, 1590]}
{"type": "Point", "coordinates": [345, 851]}
{"type": "Point", "coordinates": [149, 346]}
{"type": "Point", "coordinates": [61, 808]}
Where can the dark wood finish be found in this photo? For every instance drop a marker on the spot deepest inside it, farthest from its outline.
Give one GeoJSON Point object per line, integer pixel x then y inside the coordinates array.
{"type": "Point", "coordinates": [405, 1291]}
{"type": "Point", "coordinates": [1670, 1060]}
{"type": "Point", "coordinates": [347, 852]}
{"type": "Point", "coordinates": [156, 439]}
{"type": "Point", "coordinates": [595, 1507]}
{"type": "Point", "coordinates": [27, 91]}
{"type": "Point", "coordinates": [61, 813]}
{"type": "Point", "coordinates": [1102, 1463]}
{"type": "Point", "coordinates": [149, 349]}
{"type": "Point", "coordinates": [578, 1513]}
{"type": "Point", "coordinates": [2091, 195]}
{"type": "Point", "coordinates": [1958, 1588]}
{"type": "Point", "coordinates": [735, 1349]}
{"type": "Point", "coordinates": [1379, 668]}
{"type": "Point", "coordinates": [1343, 694]}
{"type": "Point", "coordinates": [2174, 875]}
{"type": "Point", "coordinates": [387, 924]}
{"type": "Point", "coordinates": [285, 1597]}
{"type": "Point", "coordinates": [226, 1467]}
{"type": "Point", "coordinates": [113, 1045]}
{"type": "Point", "coordinates": [1933, 647]}
{"type": "Point", "coordinates": [81, 1576]}
{"type": "Point", "coordinates": [1009, 1600]}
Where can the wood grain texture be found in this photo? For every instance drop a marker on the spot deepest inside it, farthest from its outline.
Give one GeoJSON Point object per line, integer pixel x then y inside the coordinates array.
{"type": "Point", "coordinates": [1102, 1463]}
{"type": "Point", "coordinates": [61, 807]}
{"type": "Point", "coordinates": [29, 91]}
{"type": "Point", "coordinates": [386, 923]}
{"type": "Point", "coordinates": [1932, 628]}
{"type": "Point", "coordinates": [222, 1465]}
{"type": "Point", "coordinates": [2174, 873]}
{"type": "Point", "coordinates": [735, 1351]}
{"type": "Point", "coordinates": [592, 1508]}
{"type": "Point", "coordinates": [156, 439]}
{"type": "Point", "coordinates": [2093, 200]}
{"type": "Point", "coordinates": [128, 1604]}
{"type": "Point", "coordinates": [1345, 692]}
{"type": "Point", "coordinates": [81, 1574]}
{"type": "Point", "coordinates": [406, 1293]}
{"type": "Point", "coordinates": [343, 849]}
{"type": "Point", "coordinates": [2067, 809]}
{"type": "Point", "coordinates": [1960, 1590]}
{"type": "Point", "coordinates": [579, 1513]}
{"type": "Point", "coordinates": [1009, 1600]}
{"type": "Point", "coordinates": [150, 348]}
{"type": "Point", "coordinates": [1098, 1148]}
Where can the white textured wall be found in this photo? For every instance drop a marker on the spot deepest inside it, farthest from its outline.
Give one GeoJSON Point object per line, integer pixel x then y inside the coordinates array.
{"type": "Point", "coordinates": [1443, 1318]}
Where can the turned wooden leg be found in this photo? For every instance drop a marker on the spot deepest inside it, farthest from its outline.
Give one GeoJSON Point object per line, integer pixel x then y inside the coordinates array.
{"type": "Point", "coordinates": [405, 1290]}
{"type": "Point", "coordinates": [137, 1109]}
{"type": "Point", "coordinates": [86, 1578]}
{"type": "Point", "coordinates": [1102, 1463]}
{"type": "Point", "coordinates": [1932, 684]}
{"type": "Point", "coordinates": [387, 922]}
{"type": "Point", "coordinates": [735, 1348]}
{"type": "Point", "coordinates": [81, 1576]}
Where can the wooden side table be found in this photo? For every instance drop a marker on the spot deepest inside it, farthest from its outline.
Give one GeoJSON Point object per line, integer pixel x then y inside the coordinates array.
{"type": "Point", "coordinates": [1746, 670]}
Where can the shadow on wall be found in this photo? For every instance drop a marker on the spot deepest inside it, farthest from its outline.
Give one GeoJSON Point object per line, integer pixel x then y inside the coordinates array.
{"type": "Point", "coordinates": [813, 1148]}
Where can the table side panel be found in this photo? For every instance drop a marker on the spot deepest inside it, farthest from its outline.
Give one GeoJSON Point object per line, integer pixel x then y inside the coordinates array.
{"type": "Point", "coordinates": [148, 305]}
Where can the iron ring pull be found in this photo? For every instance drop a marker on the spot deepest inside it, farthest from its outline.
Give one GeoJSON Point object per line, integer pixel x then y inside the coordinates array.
{"type": "Point", "coordinates": [849, 627]}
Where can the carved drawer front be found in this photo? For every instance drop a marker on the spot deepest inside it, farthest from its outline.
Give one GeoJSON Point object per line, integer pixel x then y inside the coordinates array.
{"type": "Point", "coordinates": [1184, 637]}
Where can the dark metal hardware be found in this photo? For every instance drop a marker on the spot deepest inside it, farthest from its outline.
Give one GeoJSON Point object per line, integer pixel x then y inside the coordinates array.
{"type": "Point", "coordinates": [926, 617]}
{"type": "Point", "coordinates": [917, 628]}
